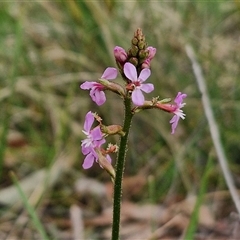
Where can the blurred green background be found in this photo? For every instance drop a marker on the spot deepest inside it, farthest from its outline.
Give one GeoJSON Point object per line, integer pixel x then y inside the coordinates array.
{"type": "Point", "coordinates": [48, 48]}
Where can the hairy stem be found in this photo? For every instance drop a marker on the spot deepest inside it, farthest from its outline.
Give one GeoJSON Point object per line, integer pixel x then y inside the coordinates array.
{"type": "Point", "coordinates": [120, 169]}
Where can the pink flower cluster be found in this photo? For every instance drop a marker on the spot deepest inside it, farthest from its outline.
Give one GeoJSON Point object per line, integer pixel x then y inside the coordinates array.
{"type": "Point", "coordinates": [135, 87]}
{"type": "Point", "coordinates": [94, 139]}
{"type": "Point", "coordinates": [97, 89]}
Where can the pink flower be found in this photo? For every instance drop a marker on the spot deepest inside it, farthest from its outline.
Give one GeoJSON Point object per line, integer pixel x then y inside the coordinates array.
{"type": "Point", "coordinates": [137, 82]}
{"type": "Point", "coordinates": [94, 140]}
{"type": "Point", "coordinates": [96, 89]}
{"type": "Point", "coordinates": [177, 110]}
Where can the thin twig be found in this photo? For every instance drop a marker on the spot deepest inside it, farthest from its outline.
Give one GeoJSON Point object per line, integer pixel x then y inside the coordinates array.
{"type": "Point", "coordinates": [213, 127]}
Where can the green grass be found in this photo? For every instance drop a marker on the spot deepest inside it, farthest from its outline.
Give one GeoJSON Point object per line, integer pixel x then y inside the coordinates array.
{"type": "Point", "coordinates": [48, 49]}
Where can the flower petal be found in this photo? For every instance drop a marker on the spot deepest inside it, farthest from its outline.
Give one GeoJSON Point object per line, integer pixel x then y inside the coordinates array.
{"type": "Point", "coordinates": [88, 161]}
{"type": "Point", "coordinates": [110, 73]}
{"type": "Point", "coordinates": [130, 71]}
{"type": "Point", "coordinates": [85, 149]}
{"type": "Point", "coordinates": [98, 96]}
{"type": "Point", "coordinates": [89, 119]}
{"type": "Point", "coordinates": [144, 74]}
{"type": "Point", "coordinates": [174, 122]}
{"type": "Point", "coordinates": [96, 134]}
{"type": "Point", "coordinates": [87, 85]}
{"type": "Point", "coordinates": [137, 97]}
{"type": "Point", "coordinates": [179, 98]}
{"type": "Point", "coordinates": [147, 87]}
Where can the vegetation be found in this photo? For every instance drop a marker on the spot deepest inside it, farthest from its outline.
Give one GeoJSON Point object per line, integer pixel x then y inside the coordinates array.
{"type": "Point", "coordinates": [47, 49]}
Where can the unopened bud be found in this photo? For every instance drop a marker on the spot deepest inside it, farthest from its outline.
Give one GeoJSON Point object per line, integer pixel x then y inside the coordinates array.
{"type": "Point", "coordinates": [145, 64]}
{"type": "Point", "coordinates": [112, 130]}
{"type": "Point", "coordinates": [152, 52]}
{"type": "Point", "coordinates": [133, 51]}
{"type": "Point", "coordinates": [142, 44]}
{"type": "Point", "coordinates": [143, 54]}
{"type": "Point", "coordinates": [134, 41]}
{"type": "Point", "coordinates": [134, 61]}
{"type": "Point", "coordinates": [139, 34]}
{"type": "Point", "coordinates": [120, 54]}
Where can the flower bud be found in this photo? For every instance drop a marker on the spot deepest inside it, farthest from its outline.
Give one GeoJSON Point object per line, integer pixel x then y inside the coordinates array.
{"type": "Point", "coordinates": [152, 52]}
{"type": "Point", "coordinates": [134, 61]}
{"type": "Point", "coordinates": [134, 41]}
{"type": "Point", "coordinates": [120, 54]}
{"type": "Point", "coordinates": [133, 51]}
{"type": "Point", "coordinates": [145, 64]}
{"type": "Point", "coordinates": [143, 54]}
{"type": "Point", "coordinates": [141, 44]}
{"type": "Point", "coordinates": [139, 34]}
{"type": "Point", "coordinates": [112, 129]}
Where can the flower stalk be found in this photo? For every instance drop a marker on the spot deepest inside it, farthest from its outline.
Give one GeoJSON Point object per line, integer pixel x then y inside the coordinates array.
{"type": "Point", "coordinates": [134, 68]}
{"type": "Point", "coordinates": [120, 169]}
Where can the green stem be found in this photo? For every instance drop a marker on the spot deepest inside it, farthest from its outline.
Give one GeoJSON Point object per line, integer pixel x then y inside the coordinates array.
{"type": "Point", "coordinates": [120, 169]}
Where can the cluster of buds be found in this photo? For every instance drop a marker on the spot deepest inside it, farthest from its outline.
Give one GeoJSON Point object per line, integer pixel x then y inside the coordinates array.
{"type": "Point", "coordinates": [134, 67]}
{"type": "Point", "coordinates": [139, 54]}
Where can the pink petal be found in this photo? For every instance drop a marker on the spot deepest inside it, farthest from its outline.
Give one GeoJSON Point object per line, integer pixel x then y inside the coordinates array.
{"type": "Point", "coordinates": [130, 71]}
{"type": "Point", "coordinates": [88, 161]}
{"type": "Point", "coordinates": [144, 74]}
{"type": "Point", "coordinates": [87, 85]}
{"type": "Point", "coordinates": [96, 134]}
{"type": "Point", "coordinates": [89, 119]}
{"type": "Point", "coordinates": [179, 98]}
{"type": "Point", "coordinates": [147, 87]}
{"type": "Point", "coordinates": [110, 73]}
{"type": "Point", "coordinates": [98, 97]}
{"type": "Point", "coordinates": [174, 122]}
{"type": "Point", "coordinates": [85, 150]}
{"type": "Point", "coordinates": [137, 97]}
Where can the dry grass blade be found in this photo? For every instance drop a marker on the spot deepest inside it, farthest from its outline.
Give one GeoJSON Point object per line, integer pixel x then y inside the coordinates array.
{"type": "Point", "coordinates": [213, 127]}
{"type": "Point", "coordinates": [77, 222]}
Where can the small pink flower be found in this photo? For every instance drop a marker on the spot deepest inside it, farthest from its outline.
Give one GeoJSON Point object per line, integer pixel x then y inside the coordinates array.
{"type": "Point", "coordinates": [131, 73]}
{"type": "Point", "coordinates": [96, 89]}
{"type": "Point", "coordinates": [94, 140]}
{"type": "Point", "coordinates": [178, 112]}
